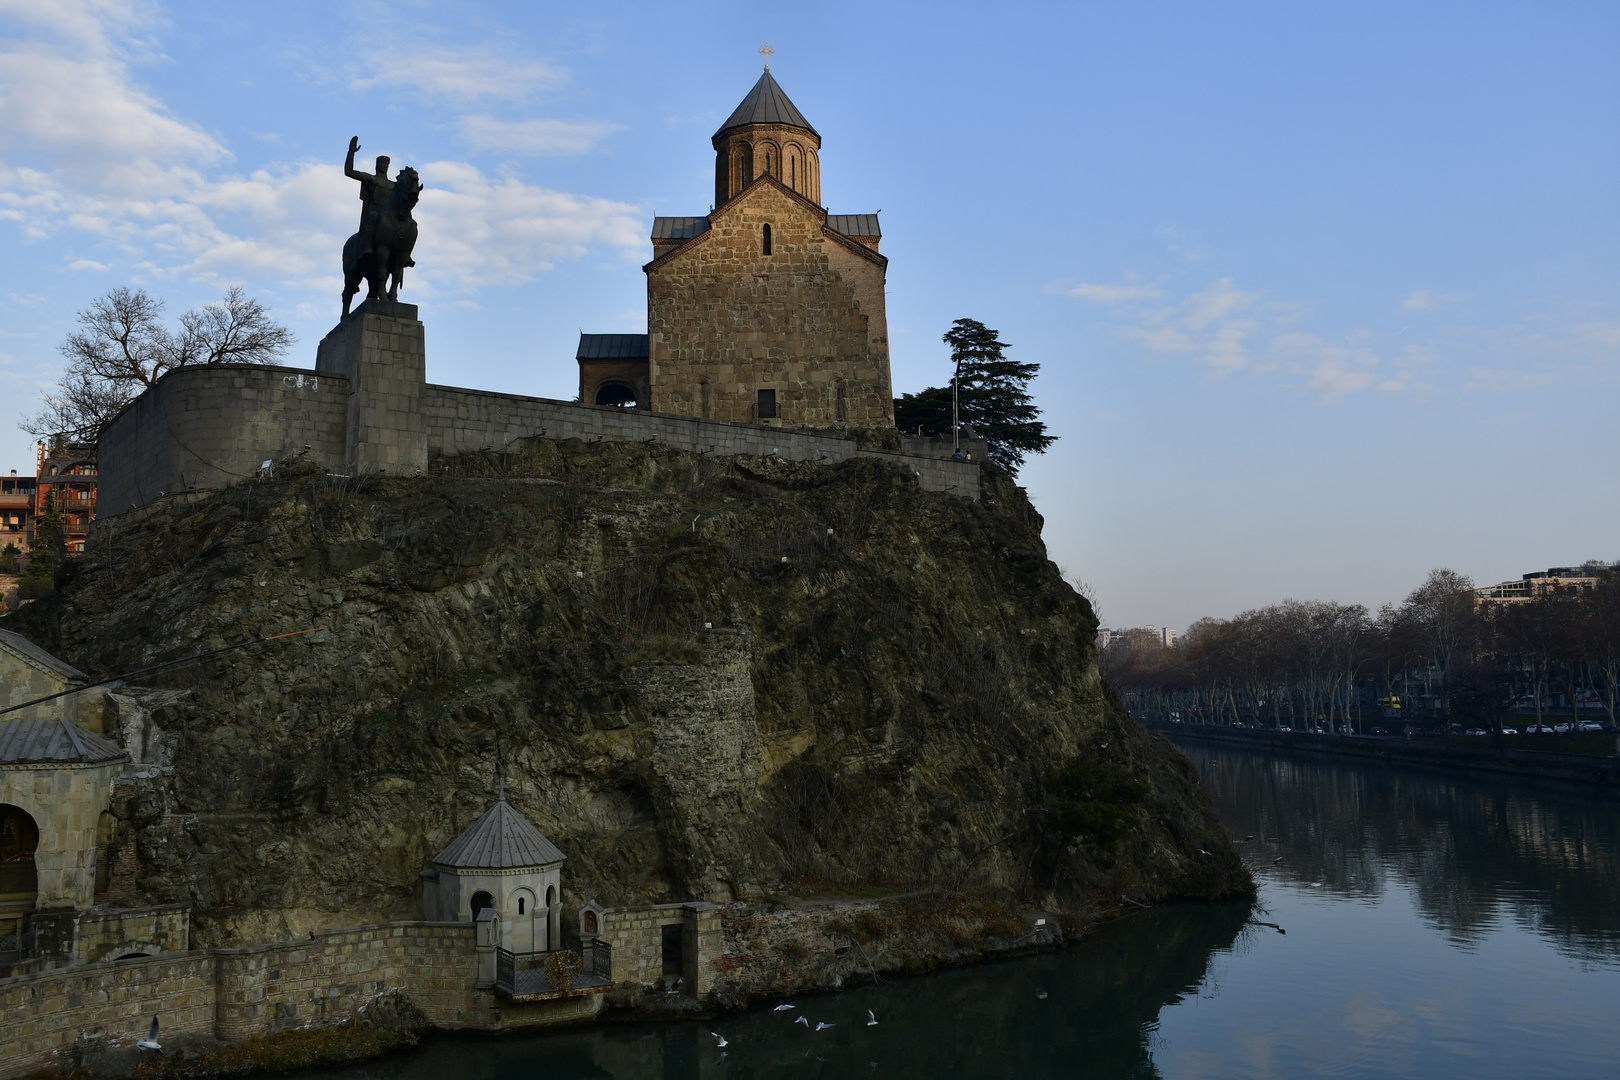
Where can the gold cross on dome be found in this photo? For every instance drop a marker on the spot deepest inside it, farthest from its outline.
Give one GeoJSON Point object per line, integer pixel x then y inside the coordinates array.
{"type": "Point", "coordinates": [767, 50]}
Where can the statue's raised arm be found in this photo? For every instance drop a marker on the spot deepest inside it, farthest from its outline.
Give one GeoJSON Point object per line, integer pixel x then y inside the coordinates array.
{"type": "Point", "coordinates": [348, 162]}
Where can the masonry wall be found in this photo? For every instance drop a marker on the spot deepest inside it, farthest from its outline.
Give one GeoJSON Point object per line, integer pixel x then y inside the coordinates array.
{"type": "Point", "coordinates": [66, 802]}
{"type": "Point", "coordinates": [150, 930]}
{"type": "Point", "coordinates": [238, 993]}
{"type": "Point", "coordinates": [637, 937]}
{"type": "Point", "coordinates": [211, 425]}
{"type": "Point", "coordinates": [725, 320]}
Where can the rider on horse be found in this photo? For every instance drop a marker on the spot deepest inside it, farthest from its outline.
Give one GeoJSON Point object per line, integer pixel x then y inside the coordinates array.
{"type": "Point", "coordinates": [374, 191]}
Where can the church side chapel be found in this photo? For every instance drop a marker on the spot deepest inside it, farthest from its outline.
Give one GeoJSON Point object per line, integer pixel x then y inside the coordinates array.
{"type": "Point", "coordinates": [767, 309]}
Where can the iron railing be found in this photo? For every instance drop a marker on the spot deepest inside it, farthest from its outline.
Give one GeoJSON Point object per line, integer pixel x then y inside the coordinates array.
{"type": "Point", "coordinates": [522, 975]}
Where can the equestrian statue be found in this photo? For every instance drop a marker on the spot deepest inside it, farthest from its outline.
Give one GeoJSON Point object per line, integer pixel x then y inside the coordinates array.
{"type": "Point", "coordinates": [381, 250]}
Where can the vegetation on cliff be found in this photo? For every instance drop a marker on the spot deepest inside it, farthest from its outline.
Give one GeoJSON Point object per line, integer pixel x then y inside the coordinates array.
{"type": "Point", "coordinates": [730, 679]}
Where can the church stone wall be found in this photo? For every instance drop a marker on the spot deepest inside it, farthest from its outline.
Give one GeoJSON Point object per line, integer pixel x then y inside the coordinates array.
{"type": "Point", "coordinates": [208, 426]}
{"type": "Point", "coordinates": [66, 802]}
{"type": "Point", "coordinates": [725, 320]}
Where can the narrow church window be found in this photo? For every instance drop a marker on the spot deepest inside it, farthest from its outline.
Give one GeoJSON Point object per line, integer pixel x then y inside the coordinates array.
{"type": "Point", "coordinates": [520, 905]}
{"type": "Point", "coordinates": [841, 401]}
{"type": "Point", "coordinates": [767, 239]}
{"type": "Point", "coordinates": [705, 394]}
{"type": "Point", "coordinates": [767, 161]}
{"type": "Point", "coordinates": [793, 173]}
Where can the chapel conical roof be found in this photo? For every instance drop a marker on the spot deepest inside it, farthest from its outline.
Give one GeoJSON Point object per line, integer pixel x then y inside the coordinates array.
{"type": "Point", "coordinates": [767, 104]}
{"type": "Point", "coordinates": [501, 839]}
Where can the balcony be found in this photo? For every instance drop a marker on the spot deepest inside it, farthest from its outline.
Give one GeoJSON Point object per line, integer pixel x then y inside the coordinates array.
{"type": "Point", "coordinates": [522, 976]}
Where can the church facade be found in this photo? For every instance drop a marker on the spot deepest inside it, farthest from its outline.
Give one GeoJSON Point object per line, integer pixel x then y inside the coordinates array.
{"type": "Point", "coordinates": [766, 309]}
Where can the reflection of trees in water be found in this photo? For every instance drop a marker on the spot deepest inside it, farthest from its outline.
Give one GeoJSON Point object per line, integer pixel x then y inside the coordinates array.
{"type": "Point", "coordinates": [1103, 1001]}
{"type": "Point", "coordinates": [1469, 850]}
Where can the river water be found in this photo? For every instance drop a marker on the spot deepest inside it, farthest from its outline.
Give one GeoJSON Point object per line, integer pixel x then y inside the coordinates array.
{"type": "Point", "coordinates": [1434, 926]}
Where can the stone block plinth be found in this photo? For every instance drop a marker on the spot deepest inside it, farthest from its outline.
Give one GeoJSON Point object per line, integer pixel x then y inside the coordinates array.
{"type": "Point", "coordinates": [380, 348]}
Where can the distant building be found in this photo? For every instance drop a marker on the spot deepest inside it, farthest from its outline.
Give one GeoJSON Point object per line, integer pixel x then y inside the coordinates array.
{"type": "Point", "coordinates": [1163, 637]}
{"type": "Point", "coordinates": [1535, 585]}
{"type": "Point", "coordinates": [16, 512]}
{"type": "Point", "coordinates": [67, 472]}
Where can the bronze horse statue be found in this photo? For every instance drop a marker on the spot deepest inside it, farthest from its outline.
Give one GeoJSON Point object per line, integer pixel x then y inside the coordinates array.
{"type": "Point", "coordinates": [393, 235]}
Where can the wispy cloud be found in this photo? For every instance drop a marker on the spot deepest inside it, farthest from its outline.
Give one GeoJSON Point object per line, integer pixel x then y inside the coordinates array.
{"type": "Point", "coordinates": [462, 75]}
{"type": "Point", "coordinates": [535, 137]}
{"type": "Point", "coordinates": [1428, 299]}
{"type": "Point", "coordinates": [1115, 294]}
{"type": "Point", "coordinates": [1233, 331]}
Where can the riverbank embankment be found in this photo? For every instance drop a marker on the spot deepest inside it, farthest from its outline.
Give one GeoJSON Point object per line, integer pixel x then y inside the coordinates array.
{"type": "Point", "coordinates": [1600, 772]}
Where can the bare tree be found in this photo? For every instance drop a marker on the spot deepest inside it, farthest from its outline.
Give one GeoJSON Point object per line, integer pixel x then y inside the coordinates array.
{"type": "Point", "coordinates": [122, 347]}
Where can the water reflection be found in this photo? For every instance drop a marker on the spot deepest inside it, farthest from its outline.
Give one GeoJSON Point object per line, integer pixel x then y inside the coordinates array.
{"type": "Point", "coordinates": [1102, 1000]}
{"type": "Point", "coordinates": [1470, 853]}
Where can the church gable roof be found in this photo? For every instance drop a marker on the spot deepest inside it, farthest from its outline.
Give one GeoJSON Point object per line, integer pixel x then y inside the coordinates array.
{"type": "Point", "coordinates": [611, 347]}
{"type": "Point", "coordinates": [502, 839]}
{"type": "Point", "coordinates": [27, 742]}
{"type": "Point", "coordinates": [854, 224]}
{"type": "Point", "coordinates": [766, 103]}
{"type": "Point", "coordinates": [27, 650]}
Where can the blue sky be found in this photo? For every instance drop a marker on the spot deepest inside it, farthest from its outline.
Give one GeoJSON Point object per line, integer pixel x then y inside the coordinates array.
{"type": "Point", "coordinates": [1324, 295]}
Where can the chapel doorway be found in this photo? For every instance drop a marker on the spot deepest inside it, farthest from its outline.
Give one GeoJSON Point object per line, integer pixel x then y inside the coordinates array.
{"type": "Point", "coordinates": [19, 838]}
{"type": "Point", "coordinates": [672, 948]}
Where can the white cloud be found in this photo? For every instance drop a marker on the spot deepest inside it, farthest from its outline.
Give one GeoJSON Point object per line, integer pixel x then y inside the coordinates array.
{"type": "Point", "coordinates": [1115, 294]}
{"type": "Point", "coordinates": [533, 136]}
{"type": "Point", "coordinates": [481, 230]}
{"type": "Point", "coordinates": [84, 148]}
{"type": "Point", "coordinates": [1206, 324]}
{"type": "Point", "coordinates": [459, 74]}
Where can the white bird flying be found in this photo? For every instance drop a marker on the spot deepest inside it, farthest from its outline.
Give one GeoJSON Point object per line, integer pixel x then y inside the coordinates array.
{"type": "Point", "coordinates": [871, 1020]}
{"type": "Point", "coordinates": [151, 1040]}
{"type": "Point", "coordinates": [824, 1026]}
{"type": "Point", "coordinates": [805, 1020]}
{"type": "Point", "coordinates": [720, 1040]}
{"type": "Point", "coordinates": [784, 1008]}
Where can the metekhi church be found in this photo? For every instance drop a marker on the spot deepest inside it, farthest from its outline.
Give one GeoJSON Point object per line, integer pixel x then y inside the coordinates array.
{"type": "Point", "coordinates": [768, 308]}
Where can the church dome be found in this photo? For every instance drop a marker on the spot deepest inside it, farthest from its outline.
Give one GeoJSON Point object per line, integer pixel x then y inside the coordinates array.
{"type": "Point", "coordinates": [502, 839]}
{"type": "Point", "coordinates": [766, 103]}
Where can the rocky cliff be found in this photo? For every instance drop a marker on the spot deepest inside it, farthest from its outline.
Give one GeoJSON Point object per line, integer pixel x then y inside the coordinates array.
{"type": "Point", "coordinates": [730, 680]}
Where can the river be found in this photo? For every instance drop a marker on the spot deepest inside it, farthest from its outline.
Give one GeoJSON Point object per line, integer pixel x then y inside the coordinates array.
{"type": "Point", "coordinates": [1430, 926]}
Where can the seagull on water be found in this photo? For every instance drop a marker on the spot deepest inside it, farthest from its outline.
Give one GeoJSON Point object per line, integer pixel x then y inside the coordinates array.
{"type": "Point", "coordinates": [805, 1020]}
{"type": "Point", "coordinates": [824, 1026]}
{"type": "Point", "coordinates": [784, 1008]}
{"type": "Point", "coordinates": [1278, 859]}
{"type": "Point", "coordinates": [151, 1040]}
{"type": "Point", "coordinates": [871, 1020]}
{"type": "Point", "coordinates": [720, 1040]}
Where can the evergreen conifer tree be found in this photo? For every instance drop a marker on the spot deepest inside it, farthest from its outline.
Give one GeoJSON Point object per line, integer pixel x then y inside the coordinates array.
{"type": "Point", "coordinates": [993, 398]}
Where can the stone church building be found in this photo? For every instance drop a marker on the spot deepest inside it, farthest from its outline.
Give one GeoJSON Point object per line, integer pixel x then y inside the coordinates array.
{"type": "Point", "coordinates": [768, 308]}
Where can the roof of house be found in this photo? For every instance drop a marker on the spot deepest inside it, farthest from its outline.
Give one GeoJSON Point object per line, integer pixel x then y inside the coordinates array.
{"type": "Point", "coordinates": [31, 741]}
{"type": "Point", "coordinates": [27, 649]}
{"type": "Point", "coordinates": [612, 347]}
{"type": "Point", "coordinates": [854, 224]}
{"type": "Point", "coordinates": [501, 839]}
{"type": "Point", "coordinates": [767, 104]}
{"type": "Point", "coordinates": [678, 228]}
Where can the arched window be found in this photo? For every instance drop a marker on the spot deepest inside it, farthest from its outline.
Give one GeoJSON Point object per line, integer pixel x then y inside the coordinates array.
{"type": "Point", "coordinates": [480, 901]}
{"type": "Point", "coordinates": [767, 161]}
{"type": "Point", "coordinates": [745, 166]}
{"type": "Point", "coordinates": [520, 904]}
{"type": "Point", "coordinates": [551, 896]}
{"type": "Point", "coordinates": [767, 239]}
{"type": "Point", "coordinates": [793, 173]}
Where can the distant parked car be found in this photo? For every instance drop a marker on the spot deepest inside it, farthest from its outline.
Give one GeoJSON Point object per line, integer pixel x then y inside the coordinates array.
{"type": "Point", "coordinates": [1591, 725]}
{"type": "Point", "coordinates": [1285, 727]}
{"type": "Point", "coordinates": [1560, 728]}
{"type": "Point", "coordinates": [1510, 731]}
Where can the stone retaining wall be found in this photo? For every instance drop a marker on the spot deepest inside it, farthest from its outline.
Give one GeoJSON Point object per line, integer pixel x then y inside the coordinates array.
{"type": "Point", "coordinates": [637, 937]}
{"type": "Point", "coordinates": [239, 993]}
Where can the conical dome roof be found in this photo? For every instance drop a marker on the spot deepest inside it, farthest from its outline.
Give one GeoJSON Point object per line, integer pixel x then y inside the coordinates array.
{"type": "Point", "coordinates": [767, 104]}
{"type": "Point", "coordinates": [500, 840]}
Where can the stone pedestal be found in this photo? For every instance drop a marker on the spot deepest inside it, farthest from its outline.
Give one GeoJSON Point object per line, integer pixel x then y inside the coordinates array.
{"type": "Point", "coordinates": [380, 347]}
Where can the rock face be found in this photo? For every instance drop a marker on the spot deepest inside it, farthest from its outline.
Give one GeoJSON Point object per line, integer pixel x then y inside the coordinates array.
{"type": "Point", "coordinates": [724, 680]}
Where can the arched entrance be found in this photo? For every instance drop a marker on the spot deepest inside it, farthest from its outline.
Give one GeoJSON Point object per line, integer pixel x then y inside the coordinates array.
{"type": "Point", "coordinates": [19, 837]}
{"type": "Point", "coordinates": [480, 901]}
{"type": "Point", "coordinates": [618, 394]}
